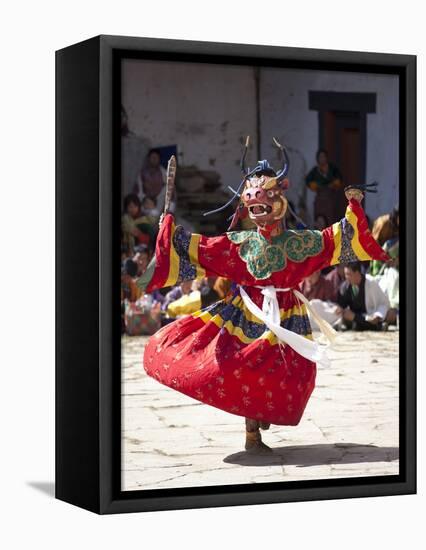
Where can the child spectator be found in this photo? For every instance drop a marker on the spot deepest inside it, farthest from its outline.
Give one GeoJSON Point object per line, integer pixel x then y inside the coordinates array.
{"type": "Point", "coordinates": [136, 227]}
{"type": "Point", "coordinates": [150, 210]}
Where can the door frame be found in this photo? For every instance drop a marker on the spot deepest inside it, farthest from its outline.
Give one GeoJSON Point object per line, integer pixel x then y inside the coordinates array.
{"type": "Point", "coordinates": [360, 102]}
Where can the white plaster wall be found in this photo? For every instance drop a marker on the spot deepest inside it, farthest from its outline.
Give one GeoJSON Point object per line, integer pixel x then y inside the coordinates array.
{"type": "Point", "coordinates": [284, 107]}
{"type": "Point", "coordinates": [207, 110]}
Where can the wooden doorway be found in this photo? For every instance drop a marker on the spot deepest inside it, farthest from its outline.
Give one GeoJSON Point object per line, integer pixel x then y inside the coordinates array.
{"type": "Point", "coordinates": [345, 140]}
{"type": "Point", "coordinates": [342, 118]}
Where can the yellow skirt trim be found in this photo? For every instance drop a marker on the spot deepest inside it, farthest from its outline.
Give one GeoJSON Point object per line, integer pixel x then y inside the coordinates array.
{"type": "Point", "coordinates": [206, 317]}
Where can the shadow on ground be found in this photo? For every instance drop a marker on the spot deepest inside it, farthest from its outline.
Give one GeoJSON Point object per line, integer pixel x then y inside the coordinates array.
{"type": "Point", "coordinates": [46, 487]}
{"type": "Point", "coordinates": [317, 455]}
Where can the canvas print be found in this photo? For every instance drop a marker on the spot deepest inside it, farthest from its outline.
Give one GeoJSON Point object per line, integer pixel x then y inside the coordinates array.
{"type": "Point", "coordinates": [259, 274]}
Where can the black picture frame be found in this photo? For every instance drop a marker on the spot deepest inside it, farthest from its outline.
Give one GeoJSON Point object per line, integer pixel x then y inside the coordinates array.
{"type": "Point", "coordinates": [87, 318]}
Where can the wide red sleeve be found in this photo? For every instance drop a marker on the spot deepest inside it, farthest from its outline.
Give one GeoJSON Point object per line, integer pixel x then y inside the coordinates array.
{"type": "Point", "coordinates": [183, 256]}
{"type": "Point", "coordinates": [350, 239]}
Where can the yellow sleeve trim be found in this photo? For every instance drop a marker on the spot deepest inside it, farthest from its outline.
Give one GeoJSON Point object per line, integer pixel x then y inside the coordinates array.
{"type": "Point", "coordinates": [193, 255]}
{"type": "Point", "coordinates": [174, 262]}
{"type": "Point", "coordinates": [337, 235]}
{"type": "Point", "coordinates": [356, 245]}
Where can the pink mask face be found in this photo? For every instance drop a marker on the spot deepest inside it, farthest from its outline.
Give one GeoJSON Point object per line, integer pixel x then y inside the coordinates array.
{"type": "Point", "coordinates": [264, 199]}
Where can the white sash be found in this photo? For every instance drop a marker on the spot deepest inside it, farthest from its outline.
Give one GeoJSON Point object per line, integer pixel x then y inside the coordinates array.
{"type": "Point", "coordinates": [270, 315]}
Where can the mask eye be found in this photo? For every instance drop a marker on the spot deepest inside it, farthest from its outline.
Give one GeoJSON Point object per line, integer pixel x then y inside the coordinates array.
{"type": "Point", "coordinates": [270, 194]}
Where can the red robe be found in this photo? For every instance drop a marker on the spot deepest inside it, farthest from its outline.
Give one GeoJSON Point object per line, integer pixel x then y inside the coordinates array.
{"type": "Point", "coordinates": [223, 355]}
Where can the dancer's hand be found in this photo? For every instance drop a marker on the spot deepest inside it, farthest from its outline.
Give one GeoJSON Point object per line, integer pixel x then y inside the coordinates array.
{"type": "Point", "coordinates": [353, 193]}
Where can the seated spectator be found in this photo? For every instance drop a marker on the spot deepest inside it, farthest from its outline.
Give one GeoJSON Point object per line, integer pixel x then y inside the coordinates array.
{"type": "Point", "coordinates": [208, 292]}
{"type": "Point", "coordinates": [387, 274]}
{"type": "Point", "coordinates": [322, 298]}
{"type": "Point", "coordinates": [364, 306]}
{"type": "Point", "coordinates": [142, 317]}
{"type": "Point", "coordinates": [188, 303]}
{"type": "Point", "coordinates": [386, 231]}
{"type": "Point", "coordinates": [391, 246]}
{"type": "Point", "coordinates": [386, 227]}
{"type": "Point", "coordinates": [389, 282]}
{"type": "Point", "coordinates": [222, 286]}
{"type": "Point", "coordinates": [136, 227]}
{"type": "Point", "coordinates": [150, 210]}
{"type": "Point", "coordinates": [336, 277]}
{"type": "Point", "coordinates": [318, 287]}
{"type": "Point", "coordinates": [141, 258]}
{"type": "Point", "coordinates": [176, 292]}
{"type": "Point", "coordinates": [129, 289]}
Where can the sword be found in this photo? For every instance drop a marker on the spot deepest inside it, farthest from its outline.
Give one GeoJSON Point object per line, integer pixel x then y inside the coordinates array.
{"type": "Point", "coordinates": [170, 186]}
{"type": "Point", "coordinates": [171, 174]}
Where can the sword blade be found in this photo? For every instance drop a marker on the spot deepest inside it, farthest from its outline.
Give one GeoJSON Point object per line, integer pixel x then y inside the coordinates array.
{"type": "Point", "coordinates": [170, 184]}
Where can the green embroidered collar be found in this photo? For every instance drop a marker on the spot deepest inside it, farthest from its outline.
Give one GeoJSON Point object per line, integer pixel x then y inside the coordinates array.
{"type": "Point", "coordinates": [265, 257]}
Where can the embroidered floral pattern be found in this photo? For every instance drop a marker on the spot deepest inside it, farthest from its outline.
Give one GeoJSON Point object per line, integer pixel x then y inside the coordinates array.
{"type": "Point", "coordinates": [181, 242]}
{"type": "Point", "coordinates": [347, 255]}
{"type": "Point", "coordinates": [265, 257]}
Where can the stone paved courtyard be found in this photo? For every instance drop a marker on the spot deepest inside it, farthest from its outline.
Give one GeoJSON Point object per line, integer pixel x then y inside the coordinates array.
{"type": "Point", "coordinates": [350, 426]}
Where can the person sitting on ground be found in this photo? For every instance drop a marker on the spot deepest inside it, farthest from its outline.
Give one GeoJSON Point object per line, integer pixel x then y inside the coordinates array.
{"type": "Point", "coordinates": [131, 269]}
{"type": "Point", "coordinates": [129, 290]}
{"type": "Point", "coordinates": [317, 287]}
{"type": "Point", "coordinates": [386, 231]}
{"type": "Point", "coordinates": [336, 276]}
{"type": "Point", "coordinates": [363, 304]}
{"type": "Point", "coordinates": [188, 303]}
{"type": "Point", "coordinates": [141, 258]}
{"type": "Point", "coordinates": [386, 227]}
{"type": "Point", "coordinates": [387, 274]}
{"type": "Point", "coordinates": [222, 287]}
{"type": "Point", "coordinates": [150, 210]}
{"type": "Point", "coordinates": [136, 227]}
{"type": "Point", "coordinates": [209, 294]}
{"type": "Point", "coordinates": [322, 298]}
{"type": "Point", "coordinates": [176, 292]}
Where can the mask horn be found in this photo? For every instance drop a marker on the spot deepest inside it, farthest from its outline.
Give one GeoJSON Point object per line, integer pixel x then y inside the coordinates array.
{"type": "Point", "coordinates": [237, 194]}
{"type": "Point", "coordinates": [240, 187]}
{"type": "Point", "coordinates": [286, 162]}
